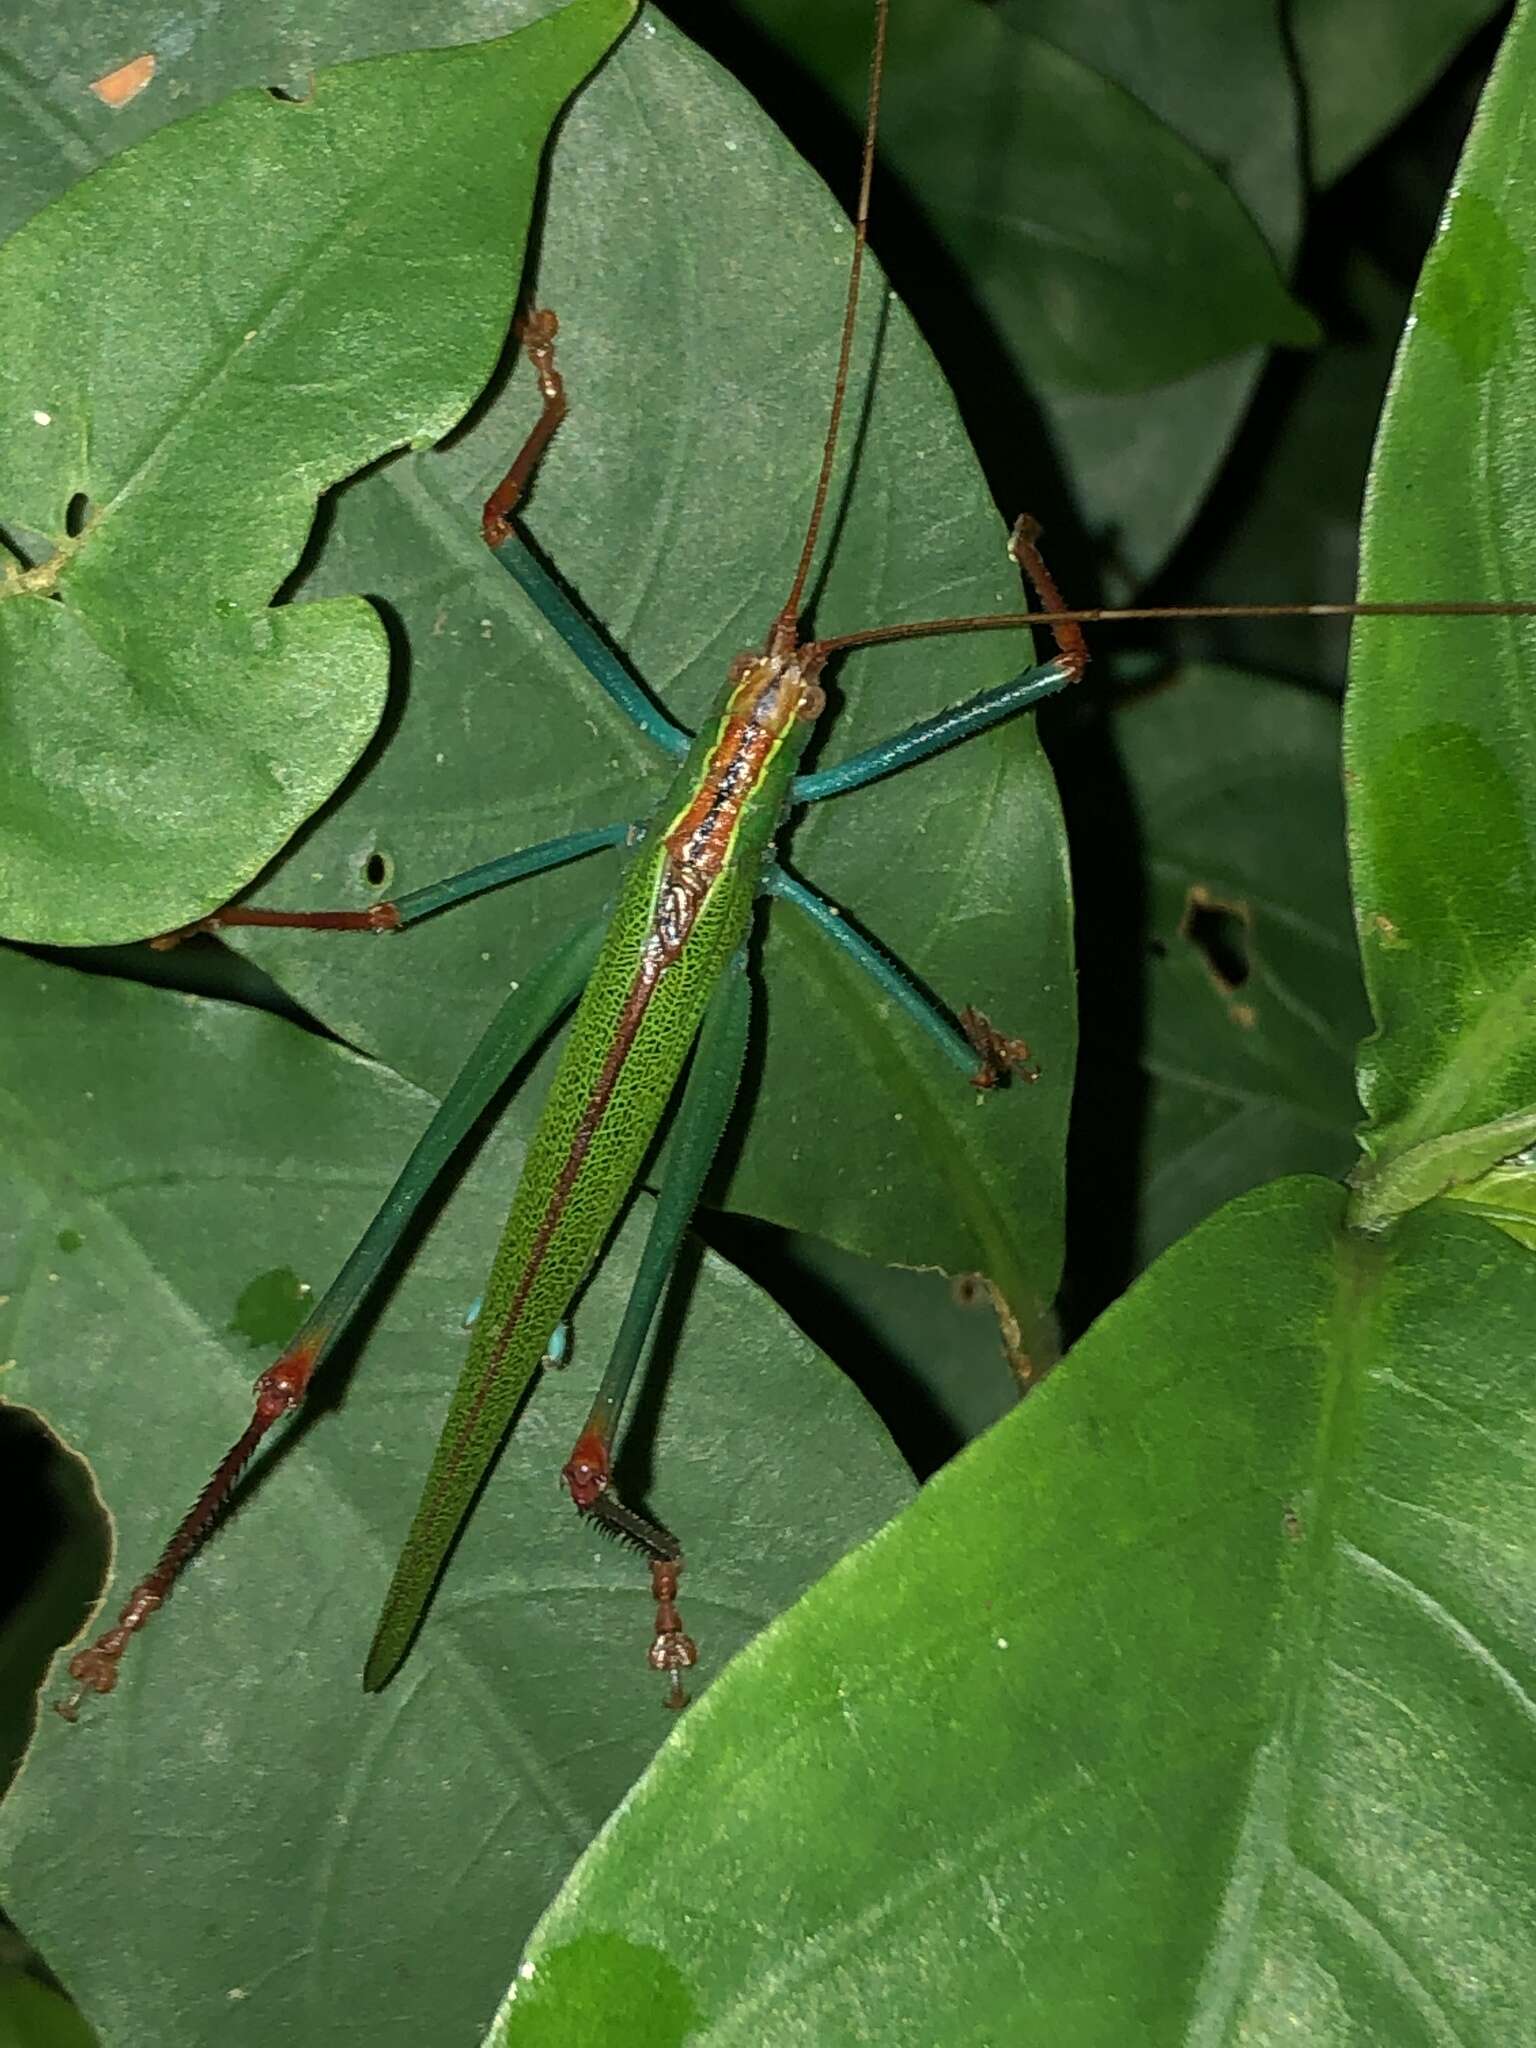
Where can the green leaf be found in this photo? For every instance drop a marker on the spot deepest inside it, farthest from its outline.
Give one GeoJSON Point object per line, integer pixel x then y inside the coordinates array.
{"type": "Point", "coordinates": [1254, 1001]}
{"type": "Point", "coordinates": [34, 2015]}
{"type": "Point", "coordinates": [1440, 734]}
{"type": "Point", "coordinates": [1190, 1704]}
{"type": "Point", "coordinates": [1365, 63]}
{"type": "Point", "coordinates": [1505, 1195]}
{"type": "Point", "coordinates": [1110, 253]}
{"type": "Point", "coordinates": [1218, 73]}
{"type": "Point", "coordinates": [326, 1866]}
{"type": "Point", "coordinates": [673, 501]}
{"type": "Point", "coordinates": [194, 343]}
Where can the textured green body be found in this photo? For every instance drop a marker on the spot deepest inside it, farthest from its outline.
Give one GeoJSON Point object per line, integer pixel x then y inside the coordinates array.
{"type": "Point", "coordinates": [613, 1081]}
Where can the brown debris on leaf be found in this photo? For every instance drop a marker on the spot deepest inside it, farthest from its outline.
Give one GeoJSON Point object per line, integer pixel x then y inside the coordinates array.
{"type": "Point", "coordinates": [116, 88]}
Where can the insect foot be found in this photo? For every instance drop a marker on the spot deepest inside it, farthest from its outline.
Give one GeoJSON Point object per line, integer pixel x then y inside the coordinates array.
{"type": "Point", "coordinates": [1001, 1057]}
{"type": "Point", "coordinates": [672, 1652]}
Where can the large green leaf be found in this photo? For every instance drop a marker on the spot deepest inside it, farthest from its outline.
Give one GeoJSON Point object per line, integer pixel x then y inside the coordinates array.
{"type": "Point", "coordinates": [1191, 1704]}
{"type": "Point", "coordinates": [58, 127]}
{"type": "Point", "coordinates": [284, 1860]}
{"type": "Point", "coordinates": [1440, 728]}
{"type": "Point", "coordinates": [194, 343]}
{"type": "Point", "coordinates": [1111, 253]}
{"type": "Point", "coordinates": [673, 501]}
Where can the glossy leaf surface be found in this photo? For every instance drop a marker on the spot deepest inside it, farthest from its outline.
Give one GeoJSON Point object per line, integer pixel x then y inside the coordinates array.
{"type": "Point", "coordinates": [1190, 1704]}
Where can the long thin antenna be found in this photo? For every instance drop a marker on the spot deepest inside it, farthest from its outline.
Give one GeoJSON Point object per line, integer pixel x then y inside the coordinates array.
{"type": "Point", "coordinates": [785, 627]}
{"type": "Point", "coordinates": [924, 629]}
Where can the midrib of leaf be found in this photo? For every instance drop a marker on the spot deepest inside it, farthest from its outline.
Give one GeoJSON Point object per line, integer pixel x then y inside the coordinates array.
{"type": "Point", "coordinates": [286, 290]}
{"type": "Point", "coordinates": [1263, 1844]}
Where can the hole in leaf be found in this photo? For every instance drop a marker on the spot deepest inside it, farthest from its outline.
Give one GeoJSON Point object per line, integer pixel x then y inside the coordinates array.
{"type": "Point", "coordinates": [1219, 931]}
{"type": "Point", "coordinates": [378, 870]}
{"type": "Point", "coordinates": [76, 513]}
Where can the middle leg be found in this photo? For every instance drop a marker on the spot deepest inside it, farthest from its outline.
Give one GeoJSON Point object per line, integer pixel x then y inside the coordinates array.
{"type": "Point", "coordinates": [986, 1056]}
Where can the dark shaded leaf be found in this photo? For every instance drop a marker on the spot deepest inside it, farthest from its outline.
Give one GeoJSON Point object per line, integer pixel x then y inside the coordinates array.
{"type": "Point", "coordinates": [1219, 75]}
{"type": "Point", "coordinates": [1255, 1001]}
{"type": "Point", "coordinates": [1364, 64]}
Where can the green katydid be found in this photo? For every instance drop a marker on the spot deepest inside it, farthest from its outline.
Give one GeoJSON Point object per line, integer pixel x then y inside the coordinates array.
{"type": "Point", "coordinates": [663, 980]}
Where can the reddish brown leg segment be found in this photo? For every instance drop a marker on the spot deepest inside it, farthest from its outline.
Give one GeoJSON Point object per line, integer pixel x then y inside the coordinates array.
{"type": "Point", "coordinates": [1071, 647]}
{"type": "Point", "coordinates": [672, 1651]}
{"type": "Point", "coordinates": [379, 917]}
{"type": "Point", "coordinates": [536, 330]}
{"type": "Point", "coordinates": [278, 1392]}
{"type": "Point", "coordinates": [588, 1477]}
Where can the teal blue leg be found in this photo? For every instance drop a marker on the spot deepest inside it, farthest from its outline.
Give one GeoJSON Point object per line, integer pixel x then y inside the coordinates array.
{"type": "Point", "coordinates": [932, 735]}
{"type": "Point", "coordinates": [536, 330]}
{"type": "Point", "coordinates": [588, 646]}
{"type": "Point", "coordinates": [985, 1056]}
{"type": "Point", "coordinates": [511, 867]}
{"type": "Point", "coordinates": [531, 1010]}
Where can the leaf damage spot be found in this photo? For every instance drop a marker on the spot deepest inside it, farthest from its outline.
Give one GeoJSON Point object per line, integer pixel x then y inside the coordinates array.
{"type": "Point", "coordinates": [116, 88]}
{"type": "Point", "coordinates": [1219, 932]}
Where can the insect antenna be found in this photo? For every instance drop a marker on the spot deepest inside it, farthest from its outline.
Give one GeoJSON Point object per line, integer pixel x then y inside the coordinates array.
{"type": "Point", "coordinates": [784, 635]}
{"type": "Point", "coordinates": [1115, 615]}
